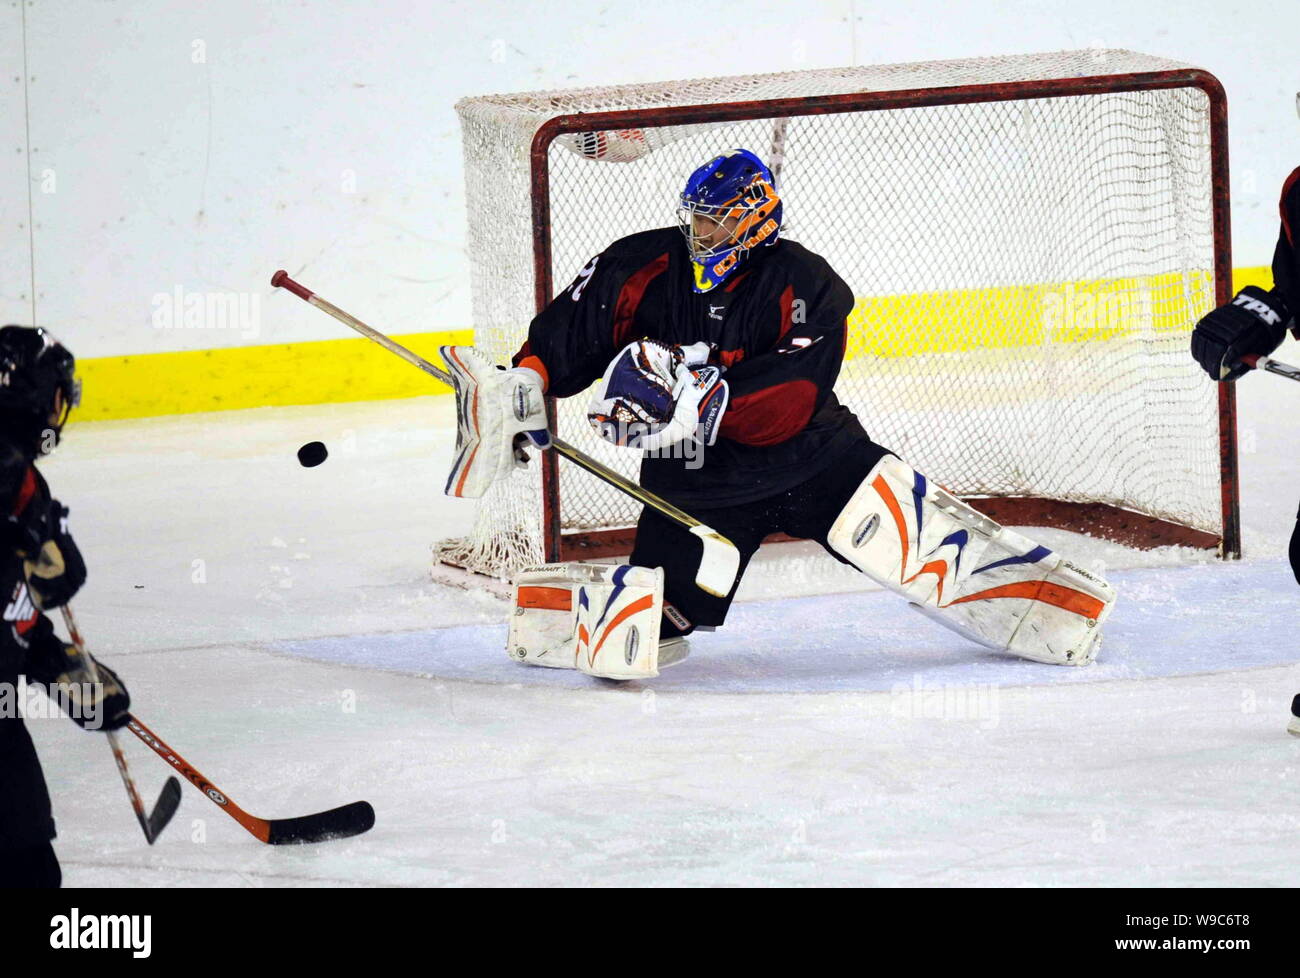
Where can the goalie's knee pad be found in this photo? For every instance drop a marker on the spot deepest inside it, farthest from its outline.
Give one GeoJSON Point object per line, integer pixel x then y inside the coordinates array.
{"type": "Point", "coordinates": [601, 619]}
{"type": "Point", "coordinates": [962, 569]}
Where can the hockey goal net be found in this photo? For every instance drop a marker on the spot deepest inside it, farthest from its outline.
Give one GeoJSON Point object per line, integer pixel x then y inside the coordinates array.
{"type": "Point", "coordinates": [1030, 240]}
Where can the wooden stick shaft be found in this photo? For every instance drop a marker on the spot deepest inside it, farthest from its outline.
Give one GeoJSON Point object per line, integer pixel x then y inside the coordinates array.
{"type": "Point", "coordinates": [1272, 366]}
{"type": "Point", "coordinates": [281, 279]}
{"type": "Point", "coordinates": [114, 744]}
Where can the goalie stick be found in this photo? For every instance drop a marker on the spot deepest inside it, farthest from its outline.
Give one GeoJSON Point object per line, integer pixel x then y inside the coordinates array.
{"type": "Point", "coordinates": [719, 560]}
{"type": "Point", "coordinates": [170, 797]}
{"type": "Point", "coordinates": [337, 823]}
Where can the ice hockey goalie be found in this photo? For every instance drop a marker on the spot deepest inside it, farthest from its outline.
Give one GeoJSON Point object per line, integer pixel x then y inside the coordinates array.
{"type": "Point", "coordinates": [725, 337]}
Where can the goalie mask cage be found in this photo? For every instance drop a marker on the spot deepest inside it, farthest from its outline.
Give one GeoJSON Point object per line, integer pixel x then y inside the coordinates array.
{"type": "Point", "coordinates": [1029, 239]}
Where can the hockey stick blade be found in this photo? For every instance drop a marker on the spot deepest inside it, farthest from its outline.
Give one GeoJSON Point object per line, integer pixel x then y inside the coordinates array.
{"type": "Point", "coordinates": [337, 823]}
{"type": "Point", "coordinates": [719, 562]}
{"type": "Point", "coordinates": [163, 810]}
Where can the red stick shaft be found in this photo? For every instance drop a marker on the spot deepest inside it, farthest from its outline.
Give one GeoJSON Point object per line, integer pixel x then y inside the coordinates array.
{"type": "Point", "coordinates": [257, 826]}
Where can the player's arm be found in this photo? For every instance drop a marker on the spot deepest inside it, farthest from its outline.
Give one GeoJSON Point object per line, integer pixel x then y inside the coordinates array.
{"type": "Point", "coordinates": [36, 532]}
{"type": "Point", "coordinates": [499, 411]}
{"type": "Point", "coordinates": [573, 340]}
{"type": "Point", "coordinates": [1256, 320]}
{"type": "Point", "coordinates": [41, 568]}
{"type": "Point", "coordinates": [654, 395]}
{"type": "Point", "coordinates": [776, 394]}
{"type": "Point", "coordinates": [24, 630]}
{"type": "Point", "coordinates": [60, 671]}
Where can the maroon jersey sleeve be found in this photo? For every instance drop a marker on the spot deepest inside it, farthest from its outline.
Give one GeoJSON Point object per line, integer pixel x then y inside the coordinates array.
{"type": "Point", "coordinates": [572, 341]}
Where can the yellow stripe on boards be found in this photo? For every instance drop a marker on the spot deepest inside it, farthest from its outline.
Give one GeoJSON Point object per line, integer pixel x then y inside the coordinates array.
{"type": "Point", "coordinates": [1261, 276]}
{"type": "Point", "coordinates": [997, 317]}
{"type": "Point", "coordinates": [328, 371]}
{"type": "Point", "coordinates": [317, 372]}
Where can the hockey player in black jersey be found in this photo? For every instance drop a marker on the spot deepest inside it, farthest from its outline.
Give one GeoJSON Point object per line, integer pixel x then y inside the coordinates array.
{"type": "Point", "coordinates": [40, 569]}
{"type": "Point", "coordinates": [1256, 321]}
{"type": "Point", "coordinates": [717, 345]}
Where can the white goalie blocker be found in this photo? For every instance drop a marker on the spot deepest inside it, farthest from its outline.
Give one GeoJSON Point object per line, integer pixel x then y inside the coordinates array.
{"type": "Point", "coordinates": [494, 408]}
{"type": "Point", "coordinates": [957, 566]}
{"type": "Point", "coordinates": [601, 619]}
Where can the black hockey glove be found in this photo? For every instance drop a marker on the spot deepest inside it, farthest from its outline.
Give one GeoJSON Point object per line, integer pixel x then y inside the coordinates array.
{"type": "Point", "coordinates": [54, 567]}
{"type": "Point", "coordinates": [66, 678]}
{"type": "Point", "coordinates": [1255, 321]}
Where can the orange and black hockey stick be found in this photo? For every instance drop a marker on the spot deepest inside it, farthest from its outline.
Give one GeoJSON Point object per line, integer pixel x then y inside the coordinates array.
{"type": "Point", "coordinates": [337, 823]}
{"type": "Point", "coordinates": [169, 800]}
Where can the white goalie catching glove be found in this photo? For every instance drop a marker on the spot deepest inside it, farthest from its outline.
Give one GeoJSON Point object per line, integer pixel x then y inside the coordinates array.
{"type": "Point", "coordinates": [962, 569]}
{"type": "Point", "coordinates": [654, 395]}
{"type": "Point", "coordinates": [498, 411]}
{"type": "Point", "coordinates": [601, 619]}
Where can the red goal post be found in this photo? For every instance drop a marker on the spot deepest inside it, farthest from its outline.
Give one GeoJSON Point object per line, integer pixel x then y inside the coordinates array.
{"type": "Point", "coordinates": [1093, 181]}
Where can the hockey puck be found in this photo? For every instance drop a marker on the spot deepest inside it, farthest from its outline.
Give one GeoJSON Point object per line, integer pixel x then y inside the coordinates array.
{"type": "Point", "coordinates": [312, 454]}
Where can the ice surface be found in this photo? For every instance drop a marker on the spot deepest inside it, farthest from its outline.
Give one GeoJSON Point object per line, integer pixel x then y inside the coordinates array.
{"type": "Point", "coordinates": [278, 626]}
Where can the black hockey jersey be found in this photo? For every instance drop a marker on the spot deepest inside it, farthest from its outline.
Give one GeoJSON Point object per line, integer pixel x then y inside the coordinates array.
{"type": "Point", "coordinates": [778, 327]}
{"type": "Point", "coordinates": [26, 639]}
{"type": "Point", "coordinates": [1286, 260]}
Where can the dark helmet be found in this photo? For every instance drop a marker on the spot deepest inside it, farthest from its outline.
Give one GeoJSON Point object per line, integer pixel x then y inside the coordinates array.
{"type": "Point", "coordinates": [34, 369]}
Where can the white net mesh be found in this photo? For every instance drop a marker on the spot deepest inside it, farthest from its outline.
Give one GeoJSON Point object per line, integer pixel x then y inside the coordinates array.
{"type": "Point", "coordinates": [1026, 272]}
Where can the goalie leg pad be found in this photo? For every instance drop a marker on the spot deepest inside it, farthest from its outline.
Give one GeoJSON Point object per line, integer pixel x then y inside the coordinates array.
{"type": "Point", "coordinates": [544, 621]}
{"type": "Point", "coordinates": [957, 566]}
{"type": "Point", "coordinates": [601, 619]}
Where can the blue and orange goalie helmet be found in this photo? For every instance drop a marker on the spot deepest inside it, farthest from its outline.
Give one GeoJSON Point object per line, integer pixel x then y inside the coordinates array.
{"type": "Point", "coordinates": [729, 208]}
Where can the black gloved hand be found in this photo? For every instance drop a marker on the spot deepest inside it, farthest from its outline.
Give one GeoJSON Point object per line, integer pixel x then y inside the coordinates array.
{"type": "Point", "coordinates": [51, 560]}
{"type": "Point", "coordinates": [25, 532]}
{"type": "Point", "coordinates": [105, 705]}
{"type": "Point", "coordinates": [1255, 321]}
